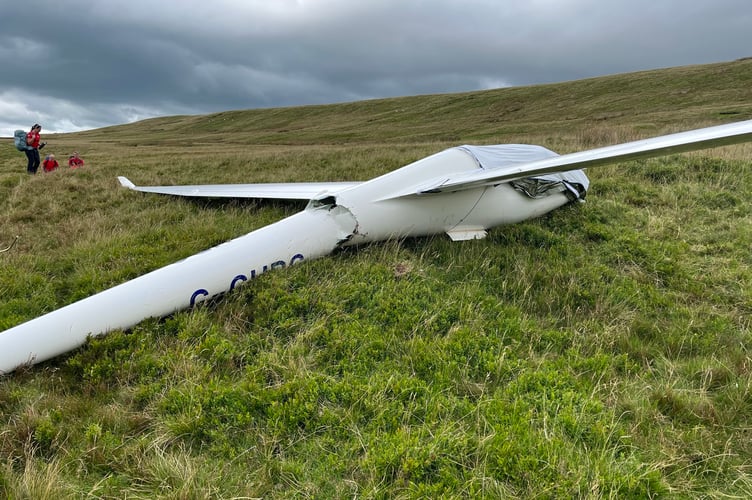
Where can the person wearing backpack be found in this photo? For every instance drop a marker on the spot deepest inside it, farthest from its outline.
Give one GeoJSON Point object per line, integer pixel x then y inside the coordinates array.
{"type": "Point", "coordinates": [32, 148]}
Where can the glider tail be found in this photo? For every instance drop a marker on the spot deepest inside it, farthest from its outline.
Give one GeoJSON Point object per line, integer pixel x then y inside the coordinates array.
{"type": "Point", "coordinates": [309, 234]}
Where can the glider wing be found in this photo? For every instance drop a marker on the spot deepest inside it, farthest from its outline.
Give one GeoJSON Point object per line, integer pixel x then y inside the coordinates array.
{"type": "Point", "coordinates": [721, 135]}
{"type": "Point", "coordinates": [281, 191]}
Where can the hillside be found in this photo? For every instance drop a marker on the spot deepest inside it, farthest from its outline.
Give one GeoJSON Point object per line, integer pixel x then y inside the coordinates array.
{"type": "Point", "coordinates": [645, 100]}
{"type": "Point", "coordinates": [602, 350]}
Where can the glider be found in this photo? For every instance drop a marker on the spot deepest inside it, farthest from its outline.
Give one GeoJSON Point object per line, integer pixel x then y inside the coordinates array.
{"type": "Point", "coordinates": [462, 191]}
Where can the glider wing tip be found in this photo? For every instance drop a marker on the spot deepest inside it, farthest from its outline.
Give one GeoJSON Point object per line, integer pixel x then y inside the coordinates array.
{"type": "Point", "coordinates": [126, 183]}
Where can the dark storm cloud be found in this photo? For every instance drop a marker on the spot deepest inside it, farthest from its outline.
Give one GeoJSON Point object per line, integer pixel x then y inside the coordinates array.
{"type": "Point", "coordinates": [87, 63]}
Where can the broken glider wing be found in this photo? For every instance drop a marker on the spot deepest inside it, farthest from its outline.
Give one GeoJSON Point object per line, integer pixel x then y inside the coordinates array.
{"type": "Point", "coordinates": [280, 191]}
{"type": "Point", "coordinates": [682, 142]}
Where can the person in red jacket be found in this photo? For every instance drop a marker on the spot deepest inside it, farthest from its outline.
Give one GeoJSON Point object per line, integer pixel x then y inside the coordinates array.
{"type": "Point", "coordinates": [32, 148]}
{"type": "Point", "coordinates": [50, 163]}
{"type": "Point", "coordinates": [75, 161]}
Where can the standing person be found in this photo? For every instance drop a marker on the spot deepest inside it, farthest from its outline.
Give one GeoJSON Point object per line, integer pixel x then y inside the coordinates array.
{"type": "Point", "coordinates": [75, 161]}
{"type": "Point", "coordinates": [50, 163]}
{"type": "Point", "coordinates": [32, 149]}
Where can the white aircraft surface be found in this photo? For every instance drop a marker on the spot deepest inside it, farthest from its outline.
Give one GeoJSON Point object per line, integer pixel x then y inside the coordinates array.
{"type": "Point", "coordinates": [462, 191]}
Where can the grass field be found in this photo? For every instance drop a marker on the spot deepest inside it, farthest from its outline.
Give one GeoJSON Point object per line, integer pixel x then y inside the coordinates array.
{"type": "Point", "coordinates": [600, 351]}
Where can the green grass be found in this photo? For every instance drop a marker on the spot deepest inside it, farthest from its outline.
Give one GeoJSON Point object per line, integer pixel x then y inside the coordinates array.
{"type": "Point", "coordinates": [599, 351]}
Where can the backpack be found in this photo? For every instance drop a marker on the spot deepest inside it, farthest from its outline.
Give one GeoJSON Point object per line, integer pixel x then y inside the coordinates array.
{"type": "Point", "coordinates": [19, 138]}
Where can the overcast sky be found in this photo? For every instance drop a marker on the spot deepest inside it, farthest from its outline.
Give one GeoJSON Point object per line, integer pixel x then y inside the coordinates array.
{"type": "Point", "coordinates": [80, 64]}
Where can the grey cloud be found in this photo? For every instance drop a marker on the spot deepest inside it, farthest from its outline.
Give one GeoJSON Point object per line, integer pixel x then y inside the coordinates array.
{"type": "Point", "coordinates": [85, 63]}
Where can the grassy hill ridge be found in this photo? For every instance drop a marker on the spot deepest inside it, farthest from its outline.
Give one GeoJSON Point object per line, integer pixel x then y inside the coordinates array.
{"type": "Point", "coordinates": [654, 98]}
{"type": "Point", "coordinates": [600, 351]}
